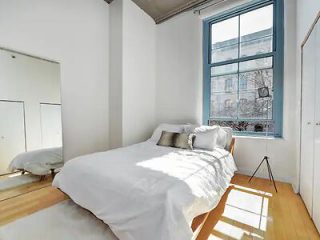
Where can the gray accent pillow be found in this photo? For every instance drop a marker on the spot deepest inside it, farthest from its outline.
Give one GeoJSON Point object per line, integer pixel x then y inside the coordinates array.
{"type": "Point", "coordinates": [183, 140]}
{"type": "Point", "coordinates": [166, 139]}
{"type": "Point", "coordinates": [177, 140]}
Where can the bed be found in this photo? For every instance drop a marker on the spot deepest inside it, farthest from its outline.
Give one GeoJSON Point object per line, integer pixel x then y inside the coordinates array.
{"type": "Point", "coordinates": [38, 162]}
{"type": "Point", "coordinates": [146, 191]}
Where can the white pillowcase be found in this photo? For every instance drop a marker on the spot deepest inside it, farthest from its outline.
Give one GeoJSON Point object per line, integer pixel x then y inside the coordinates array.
{"type": "Point", "coordinates": [222, 138]}
{"type": "Point", "coordinates": [229, 133]}
{"type": "Point", "coordinates": [206, 137]}
{"type": "Point", "coordinates": [178, 128]}
{"type": "Point", "coordinates": [189, 128]}
{"type": "Point", "coordinates": [210, 137]}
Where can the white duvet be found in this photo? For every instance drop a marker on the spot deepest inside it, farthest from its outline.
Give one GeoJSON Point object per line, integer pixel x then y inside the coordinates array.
{"type": "Point", "coordinates": [148, 192]}
{"type": "Point", "coordinates": [38, 162]}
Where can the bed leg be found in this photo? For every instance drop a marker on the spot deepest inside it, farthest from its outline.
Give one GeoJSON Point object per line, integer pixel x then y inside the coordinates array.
{"type": "Point", "coordinates": [52, 173]}
{"type": "Point", "coordinates": [42, 177]}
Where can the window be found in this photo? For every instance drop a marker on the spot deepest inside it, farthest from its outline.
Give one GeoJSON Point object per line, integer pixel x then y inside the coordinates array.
{"type": "Point", "coordinates": [228, 104]}
{"type": "Point", "coordinates": [243, 54]}
{"type": "Point", "coordinates": [243, 84]}
{"type": "Point", "coordinates": [228, 85]}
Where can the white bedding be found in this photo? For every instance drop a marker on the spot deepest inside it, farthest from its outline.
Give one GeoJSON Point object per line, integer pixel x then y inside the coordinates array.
{"type": "Point", "coordinates": [145, 191]}
{"type": "Point", "coordinates": [38, 162]}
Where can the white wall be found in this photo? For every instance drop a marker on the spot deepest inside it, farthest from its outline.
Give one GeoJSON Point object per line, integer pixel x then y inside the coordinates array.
{"type": "Point", "coordinates": [138, 74]}
{"type": "Point", "coordinates": [132, 74]}
{"type": "Point", "coordinates": [32, 81]}
{"type": "Point", "coordinates": [76, 34]}
{"type": "Point", "coordinates": [115, 84]}
{"type": "Point", "coordinates": [179, 91]}
{"type": "Point", "coordinates": [307, 11]}
{"type": "Point", "coordinates": [179, 70]}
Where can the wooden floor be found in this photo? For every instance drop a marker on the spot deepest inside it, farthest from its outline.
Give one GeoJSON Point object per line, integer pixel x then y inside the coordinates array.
{"type": "Point", "coordinates": [247, 211]}
{"type": "Point", "coordinates": [14, 192]}
{"type": "Point", "coordinates": [255, 211]}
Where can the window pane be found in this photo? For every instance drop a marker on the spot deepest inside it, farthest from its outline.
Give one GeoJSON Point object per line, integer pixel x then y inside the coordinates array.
{"type": "Point", "coordinates": [253, 107]}
{"type": "Point", "coordinates": [224, 69]}
{"type": "Point", "coordinates": [262, 127]}
{"type": "Point", "coordinates": [256, 79]}
{"type": "Point", "coordinates": [255, 64]}
{"type": "Point", "coordinates": [224, 105]}
{"type": "Point", "coordinates": [226, 83]}
{"type": "Point", "coordinates": [224, 40]}
{"type": "Point", "coordinates": [256, 46]}
{"type": "Point", "coordinates": [256, 31]}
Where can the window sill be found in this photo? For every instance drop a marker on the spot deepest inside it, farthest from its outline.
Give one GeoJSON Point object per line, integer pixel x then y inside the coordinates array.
{"type": "Point", "coordinates": [257, 137]}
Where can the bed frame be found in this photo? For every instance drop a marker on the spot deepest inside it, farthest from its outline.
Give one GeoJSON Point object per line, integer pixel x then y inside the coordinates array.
{"type": "Point", "coordinates": [231, 149]}
{"type": "Point", "coordinates": [198, 222]}
{"type": "Point", "coordinates": [42, 177]}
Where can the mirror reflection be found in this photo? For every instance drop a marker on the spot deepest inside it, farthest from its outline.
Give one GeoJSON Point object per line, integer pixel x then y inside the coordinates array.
{"type": "Point", "coordinates": [30, 123]}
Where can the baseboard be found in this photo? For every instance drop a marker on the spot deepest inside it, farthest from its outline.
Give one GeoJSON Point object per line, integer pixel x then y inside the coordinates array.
{"type": "Point", "coordinates": [265, 175]}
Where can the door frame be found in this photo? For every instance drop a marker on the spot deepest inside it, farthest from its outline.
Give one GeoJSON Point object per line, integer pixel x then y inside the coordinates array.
{"type": "Point", "coordinates": [24, 123]}
{"type": "Point", "coordinates": [41, 124]}
{"type": "Point", "coordinates": [301, 91]}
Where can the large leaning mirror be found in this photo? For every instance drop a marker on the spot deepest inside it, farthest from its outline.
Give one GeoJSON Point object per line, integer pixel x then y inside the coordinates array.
{"type": "Point", "coordinates": [30, 123]}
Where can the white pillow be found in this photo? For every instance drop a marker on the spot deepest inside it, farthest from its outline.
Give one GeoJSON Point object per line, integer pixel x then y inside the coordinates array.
{"type": "Point", "coordinates": [229, 133]}
{"type": "Point", "coordinates": [189, 128]}
{"type": "Point", "coordinates": [222, 138]}
{"type": "Point", "coordinates": [178, 128]}
{"type": "Point", "coordinates": [206, 137]}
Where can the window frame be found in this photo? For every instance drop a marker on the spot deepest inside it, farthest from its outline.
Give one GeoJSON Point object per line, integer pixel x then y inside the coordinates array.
{"type": "Point", "coordinates": [277, 55]}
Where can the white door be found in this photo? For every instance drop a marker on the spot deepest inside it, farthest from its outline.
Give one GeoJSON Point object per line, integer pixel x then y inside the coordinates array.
{"type": "Point", "coordinates": [316, 183]}
{"type": "Point", "coordinates": [51, 129]}
{"type": "Point", "coordinates": [12, 132]}
{"type": "Point", "coordinates": [307, 124]}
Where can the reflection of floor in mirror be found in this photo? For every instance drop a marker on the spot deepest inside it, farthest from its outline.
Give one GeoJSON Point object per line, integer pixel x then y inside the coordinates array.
{"type": "Point", "coordinates": [21, 184]}
{"type": "Point", "coordinates": [6, 175]}
{"type": "Point", "coordinates": [17, 180]}
{"type": "Point", "coordinates": [247, 211]}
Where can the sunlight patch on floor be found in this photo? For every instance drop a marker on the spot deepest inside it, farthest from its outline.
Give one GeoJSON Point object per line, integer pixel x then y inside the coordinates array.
{"type": "Point", "coordinates": [212, 237]}
{"type": "Point", "coordinates": [245, 215]}
{"type": "Point", "coordinates": [233, 231]}
{"type": "Point", "coordinates": [260, 192]}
